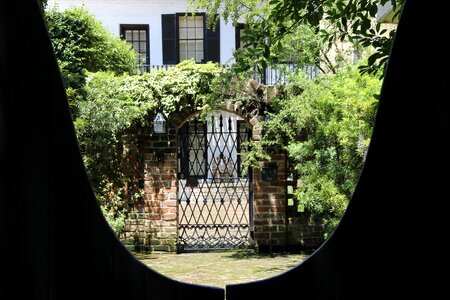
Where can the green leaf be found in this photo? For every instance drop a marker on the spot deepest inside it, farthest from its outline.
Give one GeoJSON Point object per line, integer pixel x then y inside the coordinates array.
{"type": "Point", "coordinates": [344, 23]}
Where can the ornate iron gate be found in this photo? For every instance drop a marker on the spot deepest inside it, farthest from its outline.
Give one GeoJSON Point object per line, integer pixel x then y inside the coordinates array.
{"type": "Point", "coordinates": [214, 193]}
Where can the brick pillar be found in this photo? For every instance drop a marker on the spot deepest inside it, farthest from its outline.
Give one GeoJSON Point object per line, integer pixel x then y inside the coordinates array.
{"type": "Point", "coordinates": [160, 191]}
{"type": "Point", "coordinates": [270, 204]}
{"type": "Point", "coordinates": [152, 223]}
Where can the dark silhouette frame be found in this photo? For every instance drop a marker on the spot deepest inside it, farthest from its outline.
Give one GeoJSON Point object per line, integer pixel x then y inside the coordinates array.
{"type": "Point", "coordinates": [55, 243]}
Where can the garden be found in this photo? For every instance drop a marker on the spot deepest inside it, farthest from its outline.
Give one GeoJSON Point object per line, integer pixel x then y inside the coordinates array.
{"type": "Point", "coordinates": [323, 122]}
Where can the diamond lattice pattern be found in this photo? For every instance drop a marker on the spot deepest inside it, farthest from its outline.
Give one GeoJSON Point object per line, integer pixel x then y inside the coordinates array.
{"type": "Point", "coordinates": [214, 194]}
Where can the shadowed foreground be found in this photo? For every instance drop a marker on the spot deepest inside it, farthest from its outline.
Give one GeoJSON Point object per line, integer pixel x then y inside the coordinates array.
{"type": "Point", "coordinates": [49, 212]}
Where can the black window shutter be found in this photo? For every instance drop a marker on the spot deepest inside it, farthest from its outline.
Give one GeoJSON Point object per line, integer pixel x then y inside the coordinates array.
{"type": "Point", "coordinates": [238, 29]}
{"type": "Point", "coordinates": [169, 39]}
{"type": "Point", "coordinates": [212, 44]}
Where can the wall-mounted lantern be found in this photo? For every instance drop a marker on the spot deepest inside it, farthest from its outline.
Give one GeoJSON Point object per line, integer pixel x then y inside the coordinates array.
{"type": "Point", "coordinates": [159, 124]}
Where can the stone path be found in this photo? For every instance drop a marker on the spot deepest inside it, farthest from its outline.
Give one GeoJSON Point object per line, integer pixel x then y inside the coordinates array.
{"type": "Point", "coordinates": [221, 268]}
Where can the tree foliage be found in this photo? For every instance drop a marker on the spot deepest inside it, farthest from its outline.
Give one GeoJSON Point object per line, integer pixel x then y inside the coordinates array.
{"type": "Point", "coordinates": [81, 44]}
{"type": "Point", "coordinates": [325, 126]}
{"type": "Point", "coordinates": [269, 23]}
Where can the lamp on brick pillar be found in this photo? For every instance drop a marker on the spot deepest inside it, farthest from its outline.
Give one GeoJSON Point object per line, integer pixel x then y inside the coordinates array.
{"type": "Point", "coordinates": [159, 126]}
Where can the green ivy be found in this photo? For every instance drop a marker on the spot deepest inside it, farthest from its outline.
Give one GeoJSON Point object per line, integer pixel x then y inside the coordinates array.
{"type": "Point", "coordinates": [117, 107]}
{"type": "Point", "coordinates": [114, 102]}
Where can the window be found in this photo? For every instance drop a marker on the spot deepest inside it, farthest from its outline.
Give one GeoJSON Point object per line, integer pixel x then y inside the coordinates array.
{"type": "Point", "coordinates": [190, 38]}
{"type": "Point", "coordinates": [187, 37]}
{"type": "Point", "coordinates": [138, 37]}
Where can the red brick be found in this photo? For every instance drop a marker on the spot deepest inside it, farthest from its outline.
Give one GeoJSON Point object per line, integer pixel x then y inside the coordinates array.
{"type": "Point", "coordinates": [148, 183]}
{"type": "Point", "coordinates": [270, 189]}
{"type": "Point", "coordinates": [279, 157]}
{"type": "Point", "coordinates": [259, 196]}
{"type": "Point", "coordinates": [262, 202]}
{"type": "Point", "coordinates": [152, 203]}
{"type": "Point", "coordinates": [170, 190]}
{"type": "Point", "coordinates": [261, 236]}
{"type": "Point", "coordinates": [151, 162]}
{"type": "Point", "coordinates": [169, 216]}
{"type": "Point", "coordinates": [155, 210]}
{"type": "Point", "coordinates": [274, 198]}
{"type": "Point", "coordinates": [170, 203]}
{"type": "Point", "coordinates": [168, 177]}
{"type": "Point", "coordinates": [154, 217]}
{"type": "Point", "coordinates": [259, 209]}
{"type": "Point", "coordinates": [261, 222]}
{"type": "Point", "coordinates": [151, 190]}
{"type": "Point", "coordinates": [170, 210]}
{"type": "Point", "coordinates": [281, 181]}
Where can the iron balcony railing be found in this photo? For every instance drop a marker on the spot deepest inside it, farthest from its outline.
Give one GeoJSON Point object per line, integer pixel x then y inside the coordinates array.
{"type": "Point", "coordinates": [271, 76]}
{"type": "Point", "coordinates": [279, 74]}
{"type": "Point", "coordinates": [148, 68]}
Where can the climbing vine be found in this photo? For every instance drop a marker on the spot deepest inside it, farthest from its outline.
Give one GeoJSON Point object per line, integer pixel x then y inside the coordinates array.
{"type": "Point", "coordinates": [111, 122]}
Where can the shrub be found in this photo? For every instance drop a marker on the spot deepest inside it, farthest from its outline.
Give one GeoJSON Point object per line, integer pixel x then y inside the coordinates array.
{"type": "Point", "coordinates": [81, 44]}
{"type": "Point", "coordinates": [325, 125]}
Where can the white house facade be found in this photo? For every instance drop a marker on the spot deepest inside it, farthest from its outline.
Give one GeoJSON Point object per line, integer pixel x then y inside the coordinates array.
{"type": "Point", "coordinates": [160, 31]}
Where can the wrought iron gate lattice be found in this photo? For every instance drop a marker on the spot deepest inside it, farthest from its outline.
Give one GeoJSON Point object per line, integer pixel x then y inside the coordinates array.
{"type": "Point", "coordinates": [214, 194]}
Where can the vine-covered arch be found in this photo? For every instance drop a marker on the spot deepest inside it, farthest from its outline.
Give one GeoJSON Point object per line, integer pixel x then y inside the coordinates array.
{"type": "Point", "coordinates": [249, 102]}
{"type": "Point", "coordinates": [154, 222]}
{"type": "Point", "coordinates": [148, 162]}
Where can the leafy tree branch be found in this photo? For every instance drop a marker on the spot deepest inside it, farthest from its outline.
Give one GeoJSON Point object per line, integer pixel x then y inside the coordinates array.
{"type": "Point", "coordinates": [269, 22]}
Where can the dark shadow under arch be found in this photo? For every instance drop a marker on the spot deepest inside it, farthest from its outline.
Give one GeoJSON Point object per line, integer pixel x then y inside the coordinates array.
{"type": "Point", "coordinates": [54, 243]}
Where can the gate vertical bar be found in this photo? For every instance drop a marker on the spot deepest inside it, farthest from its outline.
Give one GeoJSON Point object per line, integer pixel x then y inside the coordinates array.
{"type": "Point", "coordinates": [251, 193]}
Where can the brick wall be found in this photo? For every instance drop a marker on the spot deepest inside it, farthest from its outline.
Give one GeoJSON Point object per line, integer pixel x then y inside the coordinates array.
{"type": "Point", "coordinates": [305, 231]}
{"type": "Point", "coordinates": [152, 223]}
{"type": "Point", "coordinates": [270, 203]}
{"type": "Point", "coordinates": [278, 225]}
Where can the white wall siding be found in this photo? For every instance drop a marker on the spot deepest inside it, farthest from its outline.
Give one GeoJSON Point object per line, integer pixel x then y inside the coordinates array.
{"type": "Point", "coordinates": [227, 42]}
{"type": "Point", "coordinates": [113, 13]}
